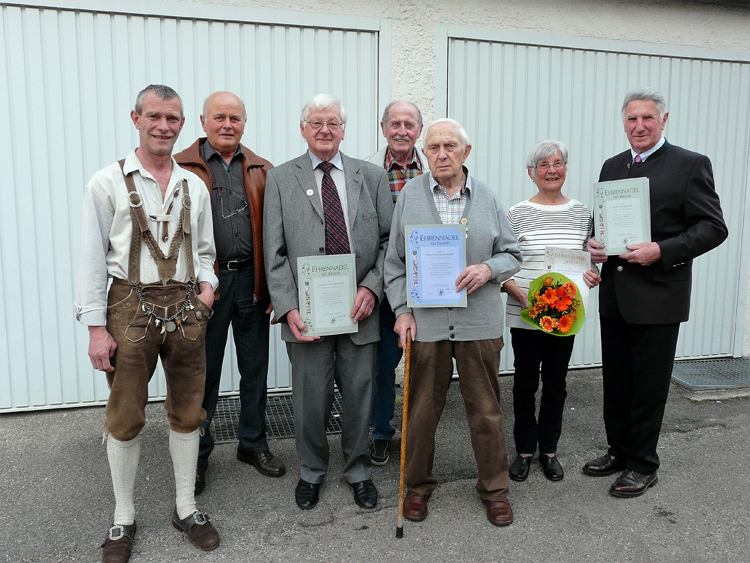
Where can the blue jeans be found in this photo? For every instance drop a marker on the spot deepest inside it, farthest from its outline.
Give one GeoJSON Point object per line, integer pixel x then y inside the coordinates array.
{"type": "Point", "coordinates": [384, 384]}
{"type": "Point", "coordinates": [250, 326]}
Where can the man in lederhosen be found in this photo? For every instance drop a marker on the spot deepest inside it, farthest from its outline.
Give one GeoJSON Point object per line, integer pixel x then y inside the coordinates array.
{"type": "Point", "coordinates": [147, 225]}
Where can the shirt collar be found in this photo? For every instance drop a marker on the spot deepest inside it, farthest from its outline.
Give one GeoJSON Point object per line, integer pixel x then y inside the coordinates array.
{"type": "Point", "coordinates": [209, 152]}
{"type": "Point", "coordinates": [316, 160]}
{"type": "Point", "coordinates": [133, 163]}
{"type": "Point", "coordinates": [390, 160]}
{"type": "Point", "coordinates": [649, 152]}
{"type": "Point", "coordinates": [466, 189]}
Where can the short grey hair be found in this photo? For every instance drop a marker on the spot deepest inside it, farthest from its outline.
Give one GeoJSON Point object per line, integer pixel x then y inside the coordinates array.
{"type": "Point", "coordinates": [647, 94]}
{"type": "Point", "coordinates": [387, 111]}
{"type": "Point", "coordinates": [205, 103]}
{"type": "Point", "coordinates": [320, 102]}
{"type": "Point", "coordinates": [162, 91]}
{"type": "Point", "coordinates": [461, 131]}
{"type": "Point", "coordinates": [545, 149]}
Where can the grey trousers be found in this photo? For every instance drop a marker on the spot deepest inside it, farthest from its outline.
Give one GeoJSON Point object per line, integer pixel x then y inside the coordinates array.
{"type": "Point", "coordinates": [314, 366]}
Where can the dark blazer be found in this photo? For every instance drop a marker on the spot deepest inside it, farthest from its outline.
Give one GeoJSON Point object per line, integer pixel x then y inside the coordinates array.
{"type": "Point", "coordinates": [294, 227]}
{"type": "Point", "coordinates": [686, 221]}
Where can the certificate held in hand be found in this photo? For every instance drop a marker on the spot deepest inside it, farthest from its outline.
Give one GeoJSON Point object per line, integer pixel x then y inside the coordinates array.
{"type": "Point", "coordinates": [622, 214]}
{"type": "Point", "coordinates": [327, 287]}
{"type": "Point", "coordinates": [435, 256]}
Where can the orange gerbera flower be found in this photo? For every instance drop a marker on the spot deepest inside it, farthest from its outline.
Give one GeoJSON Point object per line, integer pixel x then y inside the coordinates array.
{"type": "Point", "coordinates": [548, 281]}
{"type": "Point", "coordinates": [563, 303]}
{"type": "Point", "coordinates": [547, 324]}
{"type": "Point", "coordinates": [564, 324]}
{"type": "Point", "coordinates": [570, 289]}
{"type": "Point", "coordinates": [549, 297]}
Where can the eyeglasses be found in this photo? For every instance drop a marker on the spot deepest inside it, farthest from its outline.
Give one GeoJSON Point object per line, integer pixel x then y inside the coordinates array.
{"type": "Point", "coordinates": [544, 166]}
{"type": "Point", "coordinates": [332, 125]}
{"type": "Point", "coordinates": [230, 203]}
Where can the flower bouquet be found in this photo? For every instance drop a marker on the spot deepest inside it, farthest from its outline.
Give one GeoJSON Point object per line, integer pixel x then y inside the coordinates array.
{"type": "Point", "coordinates": [556, 307]}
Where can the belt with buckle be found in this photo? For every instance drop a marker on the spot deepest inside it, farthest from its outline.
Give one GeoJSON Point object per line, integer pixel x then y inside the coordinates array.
{"type": "Point", "coordinates": [236, 265]}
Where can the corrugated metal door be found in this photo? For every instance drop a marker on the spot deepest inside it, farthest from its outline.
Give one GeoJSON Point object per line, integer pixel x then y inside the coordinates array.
{"type": "Point", "coordinates": [71, 79]}
{"type": "Point", "coordinates": [509, 95]}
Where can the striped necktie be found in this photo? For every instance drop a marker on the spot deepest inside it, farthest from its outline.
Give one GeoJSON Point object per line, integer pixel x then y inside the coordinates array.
{"type": "Point", "coordinates": [337, 239]}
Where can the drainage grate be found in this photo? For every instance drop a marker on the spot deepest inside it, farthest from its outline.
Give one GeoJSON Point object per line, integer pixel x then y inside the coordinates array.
{"type": "Point", "coordinates": [279, 418]}
{"type": "Point", "coordinates": [730, 373]}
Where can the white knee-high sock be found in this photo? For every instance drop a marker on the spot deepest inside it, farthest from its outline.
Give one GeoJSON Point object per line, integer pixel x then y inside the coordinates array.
{"type": "Point", "coordinates": [123, 464]}
{"type": "Point", "coordinates": [184, 451]}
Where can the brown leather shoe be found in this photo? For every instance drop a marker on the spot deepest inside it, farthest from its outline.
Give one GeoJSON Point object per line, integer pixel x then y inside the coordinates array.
{"type": "Point", "coordinates": [119, 544]}
{"type": "Point", "coordinates": [265, 462]}
{"type": "Point", "coordinates": [199, 530]}
{"type": "Point", "coordinates": [499, 512]}
{"type": "Point", "coordinates": [415, 506]}
{"type": "Point", "coordinates": [603, 466]}
{"type": "Point", "coordinates": [632, 484]}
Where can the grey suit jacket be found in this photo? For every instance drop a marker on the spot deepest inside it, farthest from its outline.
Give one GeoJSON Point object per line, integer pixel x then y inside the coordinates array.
{"type": "Point", "coordinates": [294, 227]}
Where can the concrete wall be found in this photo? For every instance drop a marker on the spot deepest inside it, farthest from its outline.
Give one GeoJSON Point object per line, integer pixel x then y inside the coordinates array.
{"type": "Point", "coordinates": [413, 32]}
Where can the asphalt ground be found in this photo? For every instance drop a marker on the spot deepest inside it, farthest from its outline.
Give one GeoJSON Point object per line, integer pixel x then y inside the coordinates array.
{"type": "Point", "coordinates": [56, 497]}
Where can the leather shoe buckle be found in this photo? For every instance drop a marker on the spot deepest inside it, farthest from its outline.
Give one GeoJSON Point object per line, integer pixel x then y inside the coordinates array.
{"type": "Point", "coordinates": [199, 518]}
{"type": "Point", "coordinates": [116, 532]}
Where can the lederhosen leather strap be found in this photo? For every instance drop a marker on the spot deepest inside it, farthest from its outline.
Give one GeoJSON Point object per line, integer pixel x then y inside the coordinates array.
{"type": "Point", "coordinates": [167, 265]}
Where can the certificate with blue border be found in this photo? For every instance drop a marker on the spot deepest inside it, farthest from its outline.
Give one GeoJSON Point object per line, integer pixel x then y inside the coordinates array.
{"type": "Point", "coordinates": [435, 256]}
{"type": "Point", "coordinates": [327, 287]}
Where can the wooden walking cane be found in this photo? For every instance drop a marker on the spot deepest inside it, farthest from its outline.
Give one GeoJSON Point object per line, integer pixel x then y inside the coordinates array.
{"type": "Point", "coordinates": [404, 417]}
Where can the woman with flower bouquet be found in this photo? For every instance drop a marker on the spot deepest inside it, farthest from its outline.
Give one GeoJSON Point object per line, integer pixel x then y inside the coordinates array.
{"type": "Point", "coordinates": [550, 302]}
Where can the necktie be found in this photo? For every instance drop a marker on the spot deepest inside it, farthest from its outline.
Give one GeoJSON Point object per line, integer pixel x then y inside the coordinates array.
{"type": "Point", "coordinates": [638, 158]}
{"type": "Point", "coordinates": [337, 241]}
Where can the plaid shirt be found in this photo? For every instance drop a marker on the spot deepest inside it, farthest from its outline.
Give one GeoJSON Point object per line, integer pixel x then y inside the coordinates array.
{"type": "Point", "coordinates": [397, 175]}
{"type": "Point", "coordinates": [449, 208]}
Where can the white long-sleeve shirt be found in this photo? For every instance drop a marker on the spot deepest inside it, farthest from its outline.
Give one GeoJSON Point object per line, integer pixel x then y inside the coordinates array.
{"type": "Point", "coordinates": [107, 232]}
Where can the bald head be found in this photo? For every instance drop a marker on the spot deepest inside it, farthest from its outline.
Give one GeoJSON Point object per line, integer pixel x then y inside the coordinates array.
{"type": "Point", "coordinates": [223, 120]}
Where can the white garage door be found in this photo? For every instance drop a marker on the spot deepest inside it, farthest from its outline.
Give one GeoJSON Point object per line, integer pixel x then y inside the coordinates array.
{"type": "Point", "coordinates": [512, 89]}
{"type": "Point", "coordinates": [72, 76]}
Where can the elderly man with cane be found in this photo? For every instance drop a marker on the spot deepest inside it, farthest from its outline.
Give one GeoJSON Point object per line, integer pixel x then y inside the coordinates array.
{"type": "Point", "coordinates": [473, 335]}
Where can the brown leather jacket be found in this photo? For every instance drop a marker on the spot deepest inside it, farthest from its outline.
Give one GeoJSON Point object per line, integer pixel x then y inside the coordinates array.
{"type": "Point", "coordinates": [255, 186]}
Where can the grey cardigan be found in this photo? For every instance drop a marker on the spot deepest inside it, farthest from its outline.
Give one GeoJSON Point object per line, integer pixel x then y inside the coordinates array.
{"type": "Point", "coordinates": [490, 241]}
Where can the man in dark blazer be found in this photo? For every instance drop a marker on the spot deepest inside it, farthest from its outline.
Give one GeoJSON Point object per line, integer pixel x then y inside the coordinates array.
{"type": "Point", "coordinates": [295, 225]}
{"type": "Point", "coordinates": [645, 293]}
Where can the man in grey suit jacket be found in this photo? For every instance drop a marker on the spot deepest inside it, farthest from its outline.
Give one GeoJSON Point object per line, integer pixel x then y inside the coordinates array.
{"type": "Point", "coordinates": [295, 226]}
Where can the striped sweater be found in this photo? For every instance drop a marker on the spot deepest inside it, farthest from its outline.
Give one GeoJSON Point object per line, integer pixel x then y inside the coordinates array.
{"type": "Point", "coordinates": [537, 226]}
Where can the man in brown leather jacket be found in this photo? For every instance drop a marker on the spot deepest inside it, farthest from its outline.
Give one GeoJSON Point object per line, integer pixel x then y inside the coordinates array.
{"type": "Point", "coordinates": [236, 179]}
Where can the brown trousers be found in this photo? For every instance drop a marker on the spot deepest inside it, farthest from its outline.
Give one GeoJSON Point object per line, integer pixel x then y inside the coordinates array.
{"type": "Point", "coordinates": [431, 369]}
{"type": "Point", "coordinates": [140, 343]}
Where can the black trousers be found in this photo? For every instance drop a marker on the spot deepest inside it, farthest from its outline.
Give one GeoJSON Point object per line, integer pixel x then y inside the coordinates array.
{"type": "Point", "coordinates": [532, 349]}
{"type": "Point", "coordinates": [637, 363]}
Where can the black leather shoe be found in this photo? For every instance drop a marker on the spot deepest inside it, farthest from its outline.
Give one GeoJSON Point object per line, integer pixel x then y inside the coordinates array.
{"type": "Point", "coordinates": [306, 494]}
{"type": "Point", "coordinates": [552, 468]}
{"type": "Point", "coordinates": [365, 494]}
{"type": "Point", "coordinates": [519, 469]}
{"type": "Point", "coordinates": [632, 484]}
{"type": "Point", "coordinates": [265, 462]}
{"type": "Point", "coordinates": [200, 479]}
{"type": "Point", "coordinates": [603, 466]}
